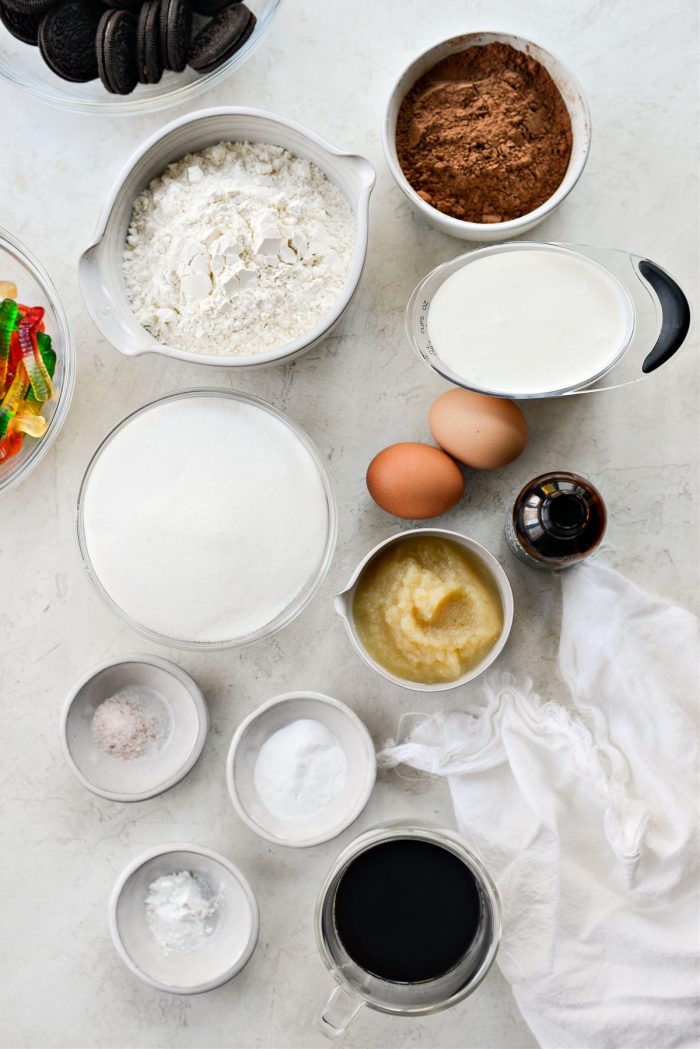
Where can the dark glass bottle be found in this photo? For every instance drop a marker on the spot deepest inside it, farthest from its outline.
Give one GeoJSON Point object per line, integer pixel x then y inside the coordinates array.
{"type": "Point", "coordinates": [558, 520]}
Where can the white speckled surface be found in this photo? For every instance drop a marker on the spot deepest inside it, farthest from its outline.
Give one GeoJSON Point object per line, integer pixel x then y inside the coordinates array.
{"type": "Point", "coordinates": [330, 65]}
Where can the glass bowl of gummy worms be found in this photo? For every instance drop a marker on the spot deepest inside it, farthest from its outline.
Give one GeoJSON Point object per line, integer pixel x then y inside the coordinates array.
{"type": "Point", "coordinates": [81, 61]}
{"type": "Point", "coordinates": [37, 362]}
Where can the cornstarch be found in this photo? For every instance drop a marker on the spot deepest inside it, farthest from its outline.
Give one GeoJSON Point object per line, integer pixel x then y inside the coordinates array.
{"type": "Point", "coordinates": [239, 249]}
{"type": "Point", "coordinates": [180, 911]}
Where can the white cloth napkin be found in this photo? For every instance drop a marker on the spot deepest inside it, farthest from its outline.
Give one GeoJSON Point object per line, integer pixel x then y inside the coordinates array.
{"type": "Point", "coordinates": [586, 815]}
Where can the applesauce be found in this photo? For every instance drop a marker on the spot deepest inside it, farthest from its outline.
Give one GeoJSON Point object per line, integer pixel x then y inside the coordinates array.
{"type": "Point", "coordinates": [427, 610]}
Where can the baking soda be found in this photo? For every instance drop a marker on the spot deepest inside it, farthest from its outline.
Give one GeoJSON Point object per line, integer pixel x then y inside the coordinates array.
{"type": "Point", "coordinates": [300, 769]}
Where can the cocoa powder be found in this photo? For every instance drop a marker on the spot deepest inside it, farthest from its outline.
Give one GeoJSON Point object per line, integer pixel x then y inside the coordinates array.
{"type": "Point", "coordinates": [484, 135]}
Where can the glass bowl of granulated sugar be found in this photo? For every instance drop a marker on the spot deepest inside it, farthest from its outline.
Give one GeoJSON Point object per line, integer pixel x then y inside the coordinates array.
{"type": "Point", "coordinates": [468, 117]}
{"type": "Point", "coordinates": [206, 519]}
{"type": "Point", "coordinates": [232, 238]}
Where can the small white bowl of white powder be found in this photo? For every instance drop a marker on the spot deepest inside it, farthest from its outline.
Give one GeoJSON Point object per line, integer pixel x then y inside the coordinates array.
{"type": "Point", "coordinates": [183, 918]}
{"type": "Point", "coordinates": [132, 727]}
{"type": "Point", "coordinates": [300, 769]}
{"type": "Point", "coordinates": [233, 237]}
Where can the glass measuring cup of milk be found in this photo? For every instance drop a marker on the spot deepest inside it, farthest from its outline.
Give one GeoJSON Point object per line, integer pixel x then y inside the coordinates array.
{"type": "Point", "coordinates": [534, 319]}
{"type": "Point", "coordinates": [384, 964]}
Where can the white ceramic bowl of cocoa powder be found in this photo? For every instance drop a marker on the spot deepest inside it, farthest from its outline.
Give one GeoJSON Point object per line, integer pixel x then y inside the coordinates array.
{"type": "Point", "coordinates": [576, 105]}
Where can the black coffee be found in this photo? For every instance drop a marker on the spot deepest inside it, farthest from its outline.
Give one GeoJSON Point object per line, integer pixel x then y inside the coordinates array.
{"type": "Point", "coordinates": [407, 910]}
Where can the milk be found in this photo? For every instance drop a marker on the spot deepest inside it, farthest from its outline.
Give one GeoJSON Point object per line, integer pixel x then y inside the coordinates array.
{"type": "Point", "coordinates": [530, 320]}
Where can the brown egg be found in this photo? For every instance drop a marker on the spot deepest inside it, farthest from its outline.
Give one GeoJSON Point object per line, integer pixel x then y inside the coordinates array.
{"type": "Point", "coordinates": [414, 481]}
{"type": "Point", "coordinates": [481, 432]}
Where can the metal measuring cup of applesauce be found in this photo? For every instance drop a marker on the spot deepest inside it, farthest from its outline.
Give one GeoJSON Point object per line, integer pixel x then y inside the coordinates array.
{"type": "Point", "coordinates": [357, 987]}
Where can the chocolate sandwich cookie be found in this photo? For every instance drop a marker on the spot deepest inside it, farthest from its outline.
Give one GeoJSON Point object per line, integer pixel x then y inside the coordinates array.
{"type": "Point", "coordinates": [221, 38]}
{"type": "Point", "coordinates": [175, 29]}
{"type": "Point", "coordinates": [116, 51]}
{"type": "Point", "coordinates": [124, 5]}
{"type": "Point", "coordinates": [67, 40]}
{"type": "Point", "coordinates": [24, 27]}
{"type": "Point", "coordinates": [28, 7]}
{"type": "Point", "coordinates": [149, 61]}
{"type": "Point", "coordinates": [209, 8]}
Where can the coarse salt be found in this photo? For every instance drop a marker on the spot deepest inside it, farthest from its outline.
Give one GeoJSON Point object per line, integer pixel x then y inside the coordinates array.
{"type": "Point", "coordinates": [124, 728]}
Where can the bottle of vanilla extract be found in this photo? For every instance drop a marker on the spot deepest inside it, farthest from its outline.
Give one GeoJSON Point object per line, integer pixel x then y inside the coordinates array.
{"type": "Point", "coordinates": [558, 520]}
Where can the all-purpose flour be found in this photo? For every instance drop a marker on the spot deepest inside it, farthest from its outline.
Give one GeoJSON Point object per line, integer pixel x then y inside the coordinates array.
{"type": "Point", "coordinates": [204, 518]}
{"type": "Point", "coordinates": [237, 250]}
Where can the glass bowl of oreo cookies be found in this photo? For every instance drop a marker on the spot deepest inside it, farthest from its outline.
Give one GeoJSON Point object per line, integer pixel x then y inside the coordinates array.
{"type": "Point", "coordinates": [126, 56]}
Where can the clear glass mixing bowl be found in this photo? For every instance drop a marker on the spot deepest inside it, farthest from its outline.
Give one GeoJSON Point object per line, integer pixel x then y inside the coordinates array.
{"type": "Point", "coordinates": [23, 66]}
{"type": "Point", "coordinates": [35, 288]}
{"type": "Point", "coordinates": [297, 604]}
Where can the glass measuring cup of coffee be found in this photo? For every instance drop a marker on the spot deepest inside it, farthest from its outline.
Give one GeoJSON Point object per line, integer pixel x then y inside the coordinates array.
{"type": "Point", "coordinates": [408, 921]}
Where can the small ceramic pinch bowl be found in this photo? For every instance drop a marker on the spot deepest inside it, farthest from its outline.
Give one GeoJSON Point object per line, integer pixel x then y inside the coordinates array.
{"type": "Point", "coordinates": [165, 693]}
{"type": "Point", "coordinates": [100, 268]}
{"type": "Point", "coordinates": [574, 99]}
{"type": "Point", "coordinates": [226, 949]}
{"type": "Point", "coordinates": [274, 715]}
{"type": "Point", "coordinates": [344, 607]}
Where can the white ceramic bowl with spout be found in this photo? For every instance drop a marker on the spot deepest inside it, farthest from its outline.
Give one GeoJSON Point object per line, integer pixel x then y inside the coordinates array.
{"type": "Point", "coordinates": [100, 268]}
{"type": "Point", "coordinates": [574, 100]}
{"type": "Point", "coordinates": [344, 607]}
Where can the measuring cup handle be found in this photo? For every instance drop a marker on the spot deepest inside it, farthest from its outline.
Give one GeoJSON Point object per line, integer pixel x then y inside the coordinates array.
{"type": "Point", "coordinates": [675, 314]}
{"type": "Point", "coordinates": [338, 1012]}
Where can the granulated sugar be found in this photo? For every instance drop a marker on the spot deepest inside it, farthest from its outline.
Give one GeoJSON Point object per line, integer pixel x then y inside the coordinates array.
{"type": "Point", "coordinates": [239, 249]}
{"type": "Point", "coordinates": [204, 518]}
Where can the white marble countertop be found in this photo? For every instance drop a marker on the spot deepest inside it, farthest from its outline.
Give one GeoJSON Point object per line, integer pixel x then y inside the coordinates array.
{"type": "Point", "coordinates": [329, 65]}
